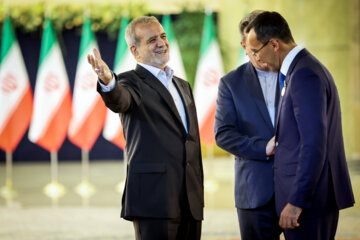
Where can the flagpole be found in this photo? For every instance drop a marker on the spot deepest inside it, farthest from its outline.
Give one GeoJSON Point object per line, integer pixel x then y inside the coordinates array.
{"type": "Point", "coordinates": [211, 184]}
{"type": "Point", "coordinates": [54, 173]}
{"type": "Point", "coordinates": [85, 164]}
{"type": "Point", "coordinates": [85, 189]}
{"type": "Point", "coordinates": [9, 186]}
{"type": "Point", "coordinates": [9, 169]}
{"type": "Point", "coordinates": [54, 189]}
{"type": "Point", "coordinates": [85, 173]}
{"type": "Point", "coordinates": [7, 191]}
{"type": "Point", "coordinates": [54, 166]}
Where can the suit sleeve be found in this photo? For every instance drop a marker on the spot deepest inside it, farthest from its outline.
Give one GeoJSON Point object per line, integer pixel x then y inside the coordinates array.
{"type": "Point", "coordinates": [227, 134]}
{"type": "Point", "coordinates": [309, 98]}
{"type": "Point", "coordinates": [123, 96]}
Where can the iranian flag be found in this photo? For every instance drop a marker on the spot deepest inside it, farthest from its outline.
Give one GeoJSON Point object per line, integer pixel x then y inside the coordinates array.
{"type": "Point", "coordinates": [175, 62]}
{"type": "Point", "coordinates": [124, 61]}
{"type": "Point", "coordinates": [52, 98]}
{"type": "Point", "coordinates": [15, 91]}
{"type": "Point", "coordinates": [209, 71]}
{"type": "Point", "coordinates": [88, 109]}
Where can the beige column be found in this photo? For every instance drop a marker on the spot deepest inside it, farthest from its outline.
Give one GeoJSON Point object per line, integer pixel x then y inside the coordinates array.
{"type": "Point", "coordinates": [230, 14]}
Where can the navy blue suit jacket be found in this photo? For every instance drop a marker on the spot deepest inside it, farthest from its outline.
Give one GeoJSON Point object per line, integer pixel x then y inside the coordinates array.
{"type": "Point", "coordinates": [243, 127]}
{"type": "Point", "coordinates": [310, 165]}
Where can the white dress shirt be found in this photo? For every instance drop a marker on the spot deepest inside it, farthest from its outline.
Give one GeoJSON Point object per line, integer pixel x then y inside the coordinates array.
{"type": "Point", "coordinates": [289, 59]}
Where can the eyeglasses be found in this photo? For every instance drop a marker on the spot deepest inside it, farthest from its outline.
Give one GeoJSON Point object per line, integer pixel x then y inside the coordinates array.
{"type": "Point", "coordinates": [256, 52]}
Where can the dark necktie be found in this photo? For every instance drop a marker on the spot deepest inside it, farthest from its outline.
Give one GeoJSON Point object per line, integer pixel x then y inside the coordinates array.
{"type": "Point", "coordinates": [281, 80]}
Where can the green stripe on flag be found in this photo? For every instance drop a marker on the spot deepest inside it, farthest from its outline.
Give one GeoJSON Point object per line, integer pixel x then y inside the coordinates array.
{"type": "Point", "coordinates": [8, 38]}
{"type": "Point", "coordinates": [87, 37]}
{"type": "Point", "coordinates": [48, 40]}
{"type": "Point", "coordinates": [166, 23]}
{"type": "Point", "coordinates": [121, 44]}
{"type": "Point", "coordinates": [207, 34]}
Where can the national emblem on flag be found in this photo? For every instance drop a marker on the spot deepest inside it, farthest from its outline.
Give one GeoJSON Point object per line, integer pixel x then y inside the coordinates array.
{"type": "Point", "coordinates": [208, 74]}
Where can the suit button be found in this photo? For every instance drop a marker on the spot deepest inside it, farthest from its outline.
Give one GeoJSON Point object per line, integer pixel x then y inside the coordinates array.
{"type": "Point", "coordinates": [277, 144]}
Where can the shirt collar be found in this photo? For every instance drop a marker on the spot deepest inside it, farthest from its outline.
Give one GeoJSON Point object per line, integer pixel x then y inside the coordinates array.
{"type": "Point", "coordinates": [157, 71]}
{"type": "Point", "coordinates": [262, 73]}
{"type": "Point", "coordinates": [289, 59]}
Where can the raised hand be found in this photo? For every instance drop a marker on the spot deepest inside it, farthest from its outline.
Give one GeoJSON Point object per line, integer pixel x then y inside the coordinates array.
{"type": "Point", "coordinates": [99, 66]}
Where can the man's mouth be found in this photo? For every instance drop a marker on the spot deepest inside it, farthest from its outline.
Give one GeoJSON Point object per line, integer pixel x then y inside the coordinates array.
{"type": "Point", "coordinates": [161, 51]}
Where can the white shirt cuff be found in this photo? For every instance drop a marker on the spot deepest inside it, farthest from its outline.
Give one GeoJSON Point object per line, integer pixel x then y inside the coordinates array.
{"type": "Point", "coordinates": [110, 86]}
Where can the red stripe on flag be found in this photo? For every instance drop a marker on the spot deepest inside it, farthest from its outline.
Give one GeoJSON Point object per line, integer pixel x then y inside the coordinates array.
{"type": "Point", "coordinates": [55, 133]}
{"type": "Point", "coordinates": [119, 139]}
{"type": "Point", "coordinates": [207, 135]}
{"type": "Point", "coordinates": [17, 123]}
{"type": "Point", "coordinates": [86, 136]}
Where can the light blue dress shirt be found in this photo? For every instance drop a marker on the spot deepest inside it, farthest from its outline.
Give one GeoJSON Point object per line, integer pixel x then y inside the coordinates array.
{"type": "Point", "coordinates": [268, 83]}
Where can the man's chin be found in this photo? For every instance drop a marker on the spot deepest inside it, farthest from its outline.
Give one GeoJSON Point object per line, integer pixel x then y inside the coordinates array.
{"type": "Point", "coordinates": [162, 61]}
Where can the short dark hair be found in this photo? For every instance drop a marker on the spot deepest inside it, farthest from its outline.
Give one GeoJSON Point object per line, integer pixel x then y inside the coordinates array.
{"type": "Point", "coordinates": [270, 25]}
{"type": "Point", "coordinates": [246, 21]}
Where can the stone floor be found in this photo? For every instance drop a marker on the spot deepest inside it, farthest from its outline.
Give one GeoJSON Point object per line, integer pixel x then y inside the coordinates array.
{"type": "Point", "coordinates": [32, 216]}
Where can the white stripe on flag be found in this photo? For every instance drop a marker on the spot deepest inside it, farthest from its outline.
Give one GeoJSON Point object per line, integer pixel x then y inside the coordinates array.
{"type": "Point", "coordinates": [52, 85]}
{"type": "Point", "coordinates": [14, 83]}
{"type": "Point", "coordinates": [85, 95]}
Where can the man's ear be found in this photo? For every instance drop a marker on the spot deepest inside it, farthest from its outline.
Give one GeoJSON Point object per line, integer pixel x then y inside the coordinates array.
{"type": "Point", "coordinates": [244, 47]}
{"type": "Point", "coordinates": [275, 43]}
{"type": "Point", "coordinates": [134, 51]}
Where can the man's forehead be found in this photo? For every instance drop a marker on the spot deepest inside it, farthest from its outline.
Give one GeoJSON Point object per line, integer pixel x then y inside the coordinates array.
{"type": "Point", "coordinates": [251, 38]}
{"type": "Point", "coordinates": [147, 29]}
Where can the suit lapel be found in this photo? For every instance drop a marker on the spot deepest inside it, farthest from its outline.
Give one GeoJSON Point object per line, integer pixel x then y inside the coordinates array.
{"type": "Point", "coordinates": [279, 106]}
{"type": "Point", "coordinates": [155, 83]}
{"type": "Point", "coordinates": [186, 99]}
{"type": "Point", "coordinates": [258, 96]}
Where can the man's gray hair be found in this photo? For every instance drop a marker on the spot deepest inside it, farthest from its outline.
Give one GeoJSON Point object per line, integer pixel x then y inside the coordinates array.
{"type": "Point", "coordinates": [130, 36]}
{"type": "Point", "coordinates": [246, 21]}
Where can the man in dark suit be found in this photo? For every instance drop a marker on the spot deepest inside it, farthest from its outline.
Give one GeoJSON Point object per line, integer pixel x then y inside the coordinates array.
{"type": "Point", "coordinates": [311, 178]}
{"type": "Point", "coordinates": [164, 184]}
{"type": "Point", "coordinates": [244, 123]}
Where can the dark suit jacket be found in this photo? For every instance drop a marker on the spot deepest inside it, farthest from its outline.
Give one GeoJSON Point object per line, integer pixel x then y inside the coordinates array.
{"type": "Point", "coordinates": [310, 165]}
{"type": "Point", "coordinates": [243, 127]}
{"type": "Point", "coordinates": [162, 157]}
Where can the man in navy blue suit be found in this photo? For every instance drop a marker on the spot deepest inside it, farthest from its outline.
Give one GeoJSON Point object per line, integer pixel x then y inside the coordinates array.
{"type": "Point", "coordinates": [244, 123]}
{"type": "Point", "coordinates": [311, 177]}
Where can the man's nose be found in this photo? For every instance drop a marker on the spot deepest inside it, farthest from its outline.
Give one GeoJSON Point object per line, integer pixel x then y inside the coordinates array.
{"type": "Point", "coordinates": [160, 42]}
